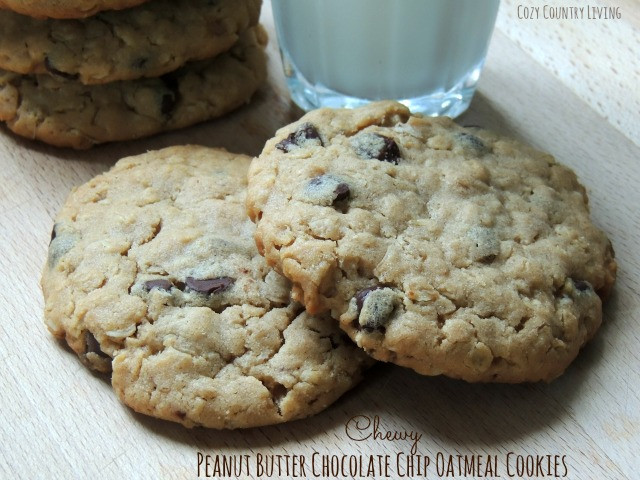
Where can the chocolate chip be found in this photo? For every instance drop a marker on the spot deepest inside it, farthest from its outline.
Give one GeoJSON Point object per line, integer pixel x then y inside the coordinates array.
{"type": "Point", "coordinates": [326, 190]}
{"type": "Point", "coordinates": [390, 152]}
{"type": "Point", "coordinates": [342, 191]}
{"type": "Point", "coordinates": [278, 393]}
{"type": "Point", "coordinates": [305, 134]}
{"type": "Point", "coordinates": [65, 240]}
{"type": "Point", "coordinates": [285, 145]}
{"type": "Point", "coordinates": [317, 181]}
{"type": "Point", "coordinates": [54, 71]}
{"type": "Point", "coordinates": [209, 285]}
{"type": "Point", "coordinates": [375, 307]}
{"type": "Point", "coordinates": [92, 345]}
{"type": "Point", "coordinates": [375, 146]}
{"type": "Point", "coordinates": [159, 283]}
{"type": "Point", "coordinates": [488, 259]}
{"type": "Point", "coordinates": [309, 131]}
{"type": "Point", "coordinates": [473, 142]}
{"type": "Point", "coordinates": [582, 286]}
{"type": "Point", "coordinates": [362, 294]}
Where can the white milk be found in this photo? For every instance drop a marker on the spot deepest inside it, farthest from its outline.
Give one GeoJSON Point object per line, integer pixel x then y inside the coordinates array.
{"type": "Point", "coordinates": [379, 49]}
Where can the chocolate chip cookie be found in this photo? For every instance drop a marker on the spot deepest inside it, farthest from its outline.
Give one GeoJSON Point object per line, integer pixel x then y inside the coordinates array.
{"type": "Point", "coordinates": [449, 250]}
{"type": "Point", "coordinates": [153, 273]}
{"type": "Point", "coordinates": [67, 113]}
{"type": "Point", "coordinates": [146, 41]}
{"type": "Point", "coordinates": [65, 8]}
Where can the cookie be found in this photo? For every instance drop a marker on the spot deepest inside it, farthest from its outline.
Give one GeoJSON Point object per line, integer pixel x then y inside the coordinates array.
{"type": "Point", "coordinates": [147, 41]}
{"type": "Point", "coordinates": [67, 113]}
{"type": "Point", "coordinates": [65, 8]}
{"type": "Point", "coordinates": [153, 273]}
{"type": "Point", "coordinates": [445, 249]}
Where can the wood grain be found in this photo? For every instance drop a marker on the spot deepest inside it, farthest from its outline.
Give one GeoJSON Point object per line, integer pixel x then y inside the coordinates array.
{"type": "Point", "coordinates": [595, 54]}
{"type": "Point", "coordinates": [568, 87]}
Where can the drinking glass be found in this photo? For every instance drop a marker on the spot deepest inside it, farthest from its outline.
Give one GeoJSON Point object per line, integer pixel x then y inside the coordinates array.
{"type": "Point", "coordinates": [427, 54]}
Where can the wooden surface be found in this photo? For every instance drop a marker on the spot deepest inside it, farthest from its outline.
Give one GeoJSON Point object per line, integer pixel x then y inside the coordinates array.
{"type": "Point", "coordinates": [567, 86]}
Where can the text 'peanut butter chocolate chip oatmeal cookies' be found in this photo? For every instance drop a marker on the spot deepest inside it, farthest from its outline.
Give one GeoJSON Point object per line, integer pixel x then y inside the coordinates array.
{"type": "Point", "coordinates": [445, 249]}
{"type": "Point", "coordinates": [153, 273]}
{"type": "Point", "coordinates": [66, 113]}
{"type": "Point", "coordinates": [146, 41]}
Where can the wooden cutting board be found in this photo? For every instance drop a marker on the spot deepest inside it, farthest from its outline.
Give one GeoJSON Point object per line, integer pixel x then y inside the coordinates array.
{"type": "Point", "coordinates": [567, 86]}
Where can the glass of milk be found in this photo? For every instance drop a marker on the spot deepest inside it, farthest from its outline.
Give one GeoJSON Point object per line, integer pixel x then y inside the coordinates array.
{"type": "Point", "coordinates": [427, 54]}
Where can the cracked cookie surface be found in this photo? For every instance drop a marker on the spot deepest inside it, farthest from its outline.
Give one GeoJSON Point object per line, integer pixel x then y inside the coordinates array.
{"type": "Point", "coordinates": [153, 273]}
{"type": "Point", "coordinates": [449, 250]}
{"type": "Point", "coordinates": [66, 8]}
{"type": "Point", "coordinates": [146, 41]}
{"type": "Point", "coordinates": [67, 113]}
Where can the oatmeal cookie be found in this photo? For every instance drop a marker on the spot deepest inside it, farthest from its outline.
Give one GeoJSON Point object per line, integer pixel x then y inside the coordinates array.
{"type": "Point", "coordinates": [446, 249]}
{"type": "Point", "coordinates": [153, 274]}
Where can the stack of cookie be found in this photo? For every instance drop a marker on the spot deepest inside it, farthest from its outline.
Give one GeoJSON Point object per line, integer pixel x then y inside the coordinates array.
{"type": "Point", "coordinates": [77, 74]}
{"type": "Point", "coordinates": [445, 249]}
